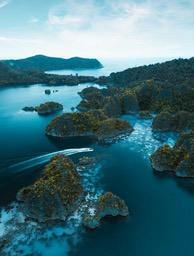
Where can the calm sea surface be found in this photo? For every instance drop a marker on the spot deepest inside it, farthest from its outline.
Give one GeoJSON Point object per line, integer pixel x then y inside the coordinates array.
{"type": "Point", "coordinates": [161, 220]}
{"type": "Point", "coordinates": [111, 65]}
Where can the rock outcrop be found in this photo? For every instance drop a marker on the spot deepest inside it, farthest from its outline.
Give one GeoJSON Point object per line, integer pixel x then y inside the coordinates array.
{"type": "Point", "coordinates": [129, 103]}
{"type": "Point", "coordinates": [179, 159]}
{"type": "Point", "coordinates": [112, 107]}
{"type": "Point", "coordinates": [87, 161]}
{"type": "Point", "coordinates": [180, 121]}
{"type": "Point", "coordinates": [47, 91]}
{"type": "Point", "coordinates": [56, 194]}
{"type": "Point", "coordinates": [28, 109]}
{"type": "Point", "coordinates": [107, 204]}
{"type": "Point", "coordinates": [49, 108]}
{"type": "Point", "coordinates": [145, 115]}
{"type": "Point", "coordinates": [91, 124]}
{"type": "Point", "coordinates": [113, 101]}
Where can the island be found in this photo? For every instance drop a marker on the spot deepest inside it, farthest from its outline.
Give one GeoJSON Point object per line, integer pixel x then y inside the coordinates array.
{"type": "Point", "coordinates": [61, 186]}
{"type": "Point", "coordinates": [107, 204]}
{"type": "Point", "coordinates": [49, 107]}
{"type": "Point", "coordinates": [179, 159]}
{"type": "Point", "coordinates": [46, 108]}
{"type": "Point", "coordinates": [93, 124]}
{"type": "Point", "coordinates": [45, 63]}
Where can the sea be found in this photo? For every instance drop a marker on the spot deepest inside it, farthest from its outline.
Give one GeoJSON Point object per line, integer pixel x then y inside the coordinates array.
{"type": "Point", "coordinates": [161, 206]}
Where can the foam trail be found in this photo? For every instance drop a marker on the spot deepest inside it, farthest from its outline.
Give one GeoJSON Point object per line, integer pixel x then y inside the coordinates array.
{"type": "Point", "coordinates": [45, 158]}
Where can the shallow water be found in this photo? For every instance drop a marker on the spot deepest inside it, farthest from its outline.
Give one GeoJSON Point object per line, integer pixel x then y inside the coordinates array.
{"type": "Point", "coordinates": [161, 206]}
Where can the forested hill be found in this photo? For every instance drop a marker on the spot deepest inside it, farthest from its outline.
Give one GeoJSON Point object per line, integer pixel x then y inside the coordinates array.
{"type": "Point", "coordinates": [12, 76]}
{"type": "Point", "coordinates": [180, 71]}
{"type": "Point", "coordinates": [45, 63]}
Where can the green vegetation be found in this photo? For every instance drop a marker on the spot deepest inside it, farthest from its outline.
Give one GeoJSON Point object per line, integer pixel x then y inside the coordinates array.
{"type": "Point", "coordinates": [179, 121]}
{"type": "Point", "coordinates": [178, 159]}
{"type": "Point", "coordinates": [48, 108]}
{"type": "Point", "coordinates": [13, 76]}
{"type": "Point", "coordinates": [166, 86]}
{"type": "Point", "coordinates": [177, 72]}
{"type": "Point", "coordinates": [56, 193]}
{"type": "Point", "coordinates": [107, 204]}
{"type": "Point", "coordinates": [45, 63]}
{"type": "Point", "coordinates": [93, 123]}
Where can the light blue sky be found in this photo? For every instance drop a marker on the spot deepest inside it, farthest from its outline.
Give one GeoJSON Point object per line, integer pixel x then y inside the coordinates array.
{"type": "Point", "coordinates": [97, 28]}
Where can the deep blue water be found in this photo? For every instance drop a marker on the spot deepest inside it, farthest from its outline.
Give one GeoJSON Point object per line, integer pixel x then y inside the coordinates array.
{"type": "Point", "coordinates": [161, 220]}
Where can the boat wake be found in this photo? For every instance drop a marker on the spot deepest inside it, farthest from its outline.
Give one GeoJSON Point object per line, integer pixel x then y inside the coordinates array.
{"type": "Point", "coordinates": [36, 161]}
{"type": "Point", "coordinates": [23, 236]}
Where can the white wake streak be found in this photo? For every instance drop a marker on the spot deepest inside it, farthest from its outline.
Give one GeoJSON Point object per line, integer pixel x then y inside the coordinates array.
{"type": "Point", "coordinates": [45, 158]}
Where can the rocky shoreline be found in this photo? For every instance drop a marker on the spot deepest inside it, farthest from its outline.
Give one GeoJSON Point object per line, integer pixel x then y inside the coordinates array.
{"type": "Point", "coordinates": [179, 159]}
{"type": "Point", "coordinates": [100, 116]}
{"type": "Point", "coordinates": [61, 186]}
{"type": "Point", "coordinates": [89, 124]}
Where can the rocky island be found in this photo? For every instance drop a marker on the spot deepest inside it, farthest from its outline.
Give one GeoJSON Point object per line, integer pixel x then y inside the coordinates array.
{"type": "Point", "coordinates": [94, 124]}
{"type": "Point", "coordinates": [107, 204]}
{"type": "Point", "coordinates": [47, 91]}
{"type": "Point", "coordinates": [61, 186]}
{"type": "Point", "coordinates": [49, 108]}
{"type": "Point", "coordinates": [28, 109]}
{"type": "Point", "coordinates": [113, 101]}
{"type": "Point", "coordinates": [46, 108]}
{"type": "Point", "coordinates": [179, 159]}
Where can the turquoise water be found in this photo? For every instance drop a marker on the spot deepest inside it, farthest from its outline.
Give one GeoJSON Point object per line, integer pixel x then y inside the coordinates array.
{"type": "Point", "coordinates": [22, 133]}
{"type": "Point", "coordinates": [161, 220]}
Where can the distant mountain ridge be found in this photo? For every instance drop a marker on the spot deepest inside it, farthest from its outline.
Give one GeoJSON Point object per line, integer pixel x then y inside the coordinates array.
{"type": "Point", "coordinates": [45, 63]}
{"type": "Point", "coordinates": [178, 72]}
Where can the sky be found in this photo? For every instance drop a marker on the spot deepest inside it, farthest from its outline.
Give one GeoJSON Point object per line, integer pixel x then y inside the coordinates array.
{"type": "Point", "coordinates": [97, 28]}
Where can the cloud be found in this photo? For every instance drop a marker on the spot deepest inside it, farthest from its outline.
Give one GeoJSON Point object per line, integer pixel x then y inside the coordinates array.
{"type": "Point", "coordinates": [137, 28]}
{"type": "Point", "coordinates": [110, 28]}
{"type": "Point", "coordinates": [19, 40]}
{"type": "Point", "coordinates": [17, 47]}
{"type": "Point", "coordinates": [90, 14]}
{"type": "Point", "coordinates": [4, 3]}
